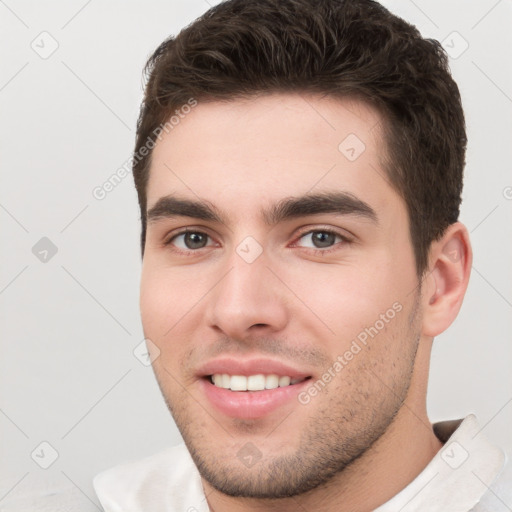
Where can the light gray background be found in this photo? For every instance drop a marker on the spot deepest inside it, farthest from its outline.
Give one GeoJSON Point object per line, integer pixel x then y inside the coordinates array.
{"type": "Point", "coordinates": [70, 325]}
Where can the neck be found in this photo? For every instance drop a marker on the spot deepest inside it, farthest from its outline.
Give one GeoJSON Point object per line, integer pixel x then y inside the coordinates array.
{"type": "Point", "coordinates": [388, 466]}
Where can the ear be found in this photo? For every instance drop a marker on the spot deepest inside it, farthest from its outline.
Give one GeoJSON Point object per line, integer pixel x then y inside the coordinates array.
{"type": "Point", "coordinates": [446, 281]}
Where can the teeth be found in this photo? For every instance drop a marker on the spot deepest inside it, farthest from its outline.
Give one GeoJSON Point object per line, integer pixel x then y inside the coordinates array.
{"type": "Point", "coordinates": [271, 382]}
{"type": "Point", "coordinates": [285, 381]}
{"type": "Point", "coordinates": [238, 383]}
{"type": "Point", "coordinates": [257, 382]}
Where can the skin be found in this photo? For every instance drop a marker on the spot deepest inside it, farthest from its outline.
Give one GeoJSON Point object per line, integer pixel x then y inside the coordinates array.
{"type": "Point", "coordinates": [368, 429]}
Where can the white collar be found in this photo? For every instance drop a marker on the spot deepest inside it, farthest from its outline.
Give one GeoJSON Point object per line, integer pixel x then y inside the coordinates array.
{"type": "Point", "coordinates": [467, 463]}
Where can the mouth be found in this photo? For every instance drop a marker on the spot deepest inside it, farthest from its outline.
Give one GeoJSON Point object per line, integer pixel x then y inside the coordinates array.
{"type": "Point", "coordinates": [253, 383]}
{"type": "Point", "coordinates": [251, 389]}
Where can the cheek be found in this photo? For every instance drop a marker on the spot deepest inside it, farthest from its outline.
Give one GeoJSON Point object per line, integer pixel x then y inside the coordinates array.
{"type": "Point", "coordinates": [163, 300]}
{"type": "Point", "coordinates": [160, 308]}
{"type": "Point", "coordinates": [346, 298]}
{"type": "Point", "coordinates": [170, 305]}
{"type": "Point", "coordinates": [167, 293]}
{"type": "Point", "coordinates": [154, 304]}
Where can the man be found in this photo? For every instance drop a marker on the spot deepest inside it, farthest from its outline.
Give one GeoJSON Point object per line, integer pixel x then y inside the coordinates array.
{"type": "Point", "coordinates": [299, 171]}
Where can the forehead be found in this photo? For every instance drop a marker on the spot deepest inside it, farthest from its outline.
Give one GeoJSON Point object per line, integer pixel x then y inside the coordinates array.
{"type": "Point", "coordinates": [243, 154]}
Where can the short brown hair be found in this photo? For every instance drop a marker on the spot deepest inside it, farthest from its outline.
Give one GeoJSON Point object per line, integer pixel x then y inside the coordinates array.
{"type": "Point", "coordinates": [340, 48]}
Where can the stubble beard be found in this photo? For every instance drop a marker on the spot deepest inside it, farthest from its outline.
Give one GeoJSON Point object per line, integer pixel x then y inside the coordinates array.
{"type": "Point", "coordinates": [342, 430]}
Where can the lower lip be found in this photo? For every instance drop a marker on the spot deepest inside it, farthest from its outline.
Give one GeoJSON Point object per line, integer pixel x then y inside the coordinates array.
{"type": "Point", "coordinates": [251, 404]}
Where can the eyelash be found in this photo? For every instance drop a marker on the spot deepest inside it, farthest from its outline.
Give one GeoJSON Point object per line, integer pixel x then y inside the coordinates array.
{"type": "Point", "coordinates": [191, 252]}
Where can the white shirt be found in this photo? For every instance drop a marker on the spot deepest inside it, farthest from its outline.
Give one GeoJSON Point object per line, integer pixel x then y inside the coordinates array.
{"type": "Point", "coordinates": [467, 474]}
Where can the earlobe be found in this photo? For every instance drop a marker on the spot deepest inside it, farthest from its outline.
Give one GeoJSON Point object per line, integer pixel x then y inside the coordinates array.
{"type": "Point", "coordinates": [447, 280]}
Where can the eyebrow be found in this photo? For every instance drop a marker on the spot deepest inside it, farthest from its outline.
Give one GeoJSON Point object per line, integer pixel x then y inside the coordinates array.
{"type": "Point", "coordinates": [339, 203]}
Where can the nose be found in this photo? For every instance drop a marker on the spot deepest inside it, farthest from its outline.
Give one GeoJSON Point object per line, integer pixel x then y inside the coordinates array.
{"type": "Point", "coordinates": [248, 300]}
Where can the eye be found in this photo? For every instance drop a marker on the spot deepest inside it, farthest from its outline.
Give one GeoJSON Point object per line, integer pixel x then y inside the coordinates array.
{"type": "Point", "coordinates": [321, 239]}
{"type": "Point", "coordinates": [187, 241]}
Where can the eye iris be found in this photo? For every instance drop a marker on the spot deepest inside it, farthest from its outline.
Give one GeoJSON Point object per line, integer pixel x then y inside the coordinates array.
{"type": "Point", "coordinates": [323, 239]}
{"type": "Point", "coordinates": [194, 240]}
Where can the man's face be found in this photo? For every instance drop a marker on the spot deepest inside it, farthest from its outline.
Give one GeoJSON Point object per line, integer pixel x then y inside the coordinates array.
{"type": "Point", "coordinates": [318, 298]}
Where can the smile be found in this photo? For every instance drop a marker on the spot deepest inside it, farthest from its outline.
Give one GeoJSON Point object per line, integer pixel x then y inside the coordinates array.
{"type": "Point", "coordinates": [258, 382]}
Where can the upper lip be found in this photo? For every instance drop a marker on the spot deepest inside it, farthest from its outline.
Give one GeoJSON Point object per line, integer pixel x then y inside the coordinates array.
{"type": "Point", "coordinates": [234, 366]}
